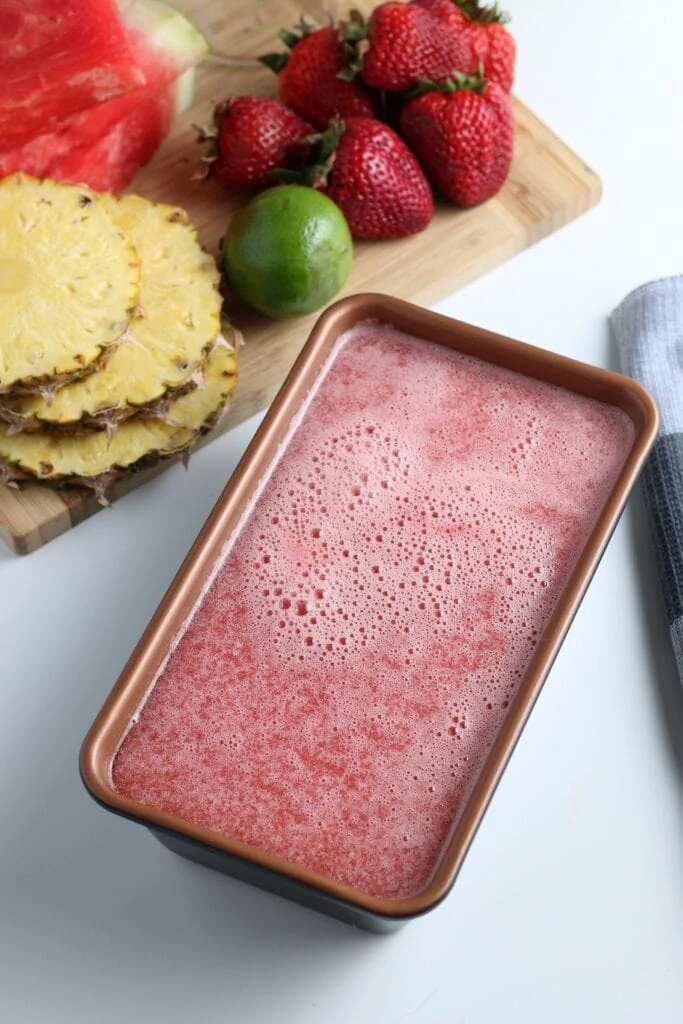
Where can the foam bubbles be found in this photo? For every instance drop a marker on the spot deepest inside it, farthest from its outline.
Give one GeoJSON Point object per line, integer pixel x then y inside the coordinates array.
{"type": "Point", "coordinates": [346, 674]}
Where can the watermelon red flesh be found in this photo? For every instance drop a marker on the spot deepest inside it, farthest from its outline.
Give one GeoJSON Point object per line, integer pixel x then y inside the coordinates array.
{"type": "Point", "coordinates": [109, 163]}
{"type": "Point", "coordinates": [59, 57]}
{"type": "Point", "coordinates": [42, 153]}
{"type": "Point", "coordinates": [104, 145]}
{"type": "Point", "coordinates": [107, 155]}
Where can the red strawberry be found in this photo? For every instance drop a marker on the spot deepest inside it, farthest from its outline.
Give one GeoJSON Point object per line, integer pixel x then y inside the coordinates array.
{"type": "Point", "coordinates": [484, 30]}
{"type": "Point", "coordinates": [370, 173]}
{"type": "Point", "coordinates": [462, 133]}
{"type": "Point", "coordinates": [308, 77]}
{"type": "Point", "coordinates": [253, 136]}
{"type": "Point", "coordinates": [401, 44]}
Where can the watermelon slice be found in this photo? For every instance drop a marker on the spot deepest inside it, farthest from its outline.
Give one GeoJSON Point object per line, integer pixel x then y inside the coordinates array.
{"type": "Point", "coordinates": [58, 57]}
{"type": "Point", "coordinates": [112, 145]}
{"type": "Point", "coordinates": [109, 163]}
{"type": "Point", "coordinates": [105, 145]}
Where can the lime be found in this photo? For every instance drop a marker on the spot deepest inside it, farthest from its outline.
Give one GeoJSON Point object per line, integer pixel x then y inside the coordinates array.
{"type": "Point", "coordinates": [288, 251]}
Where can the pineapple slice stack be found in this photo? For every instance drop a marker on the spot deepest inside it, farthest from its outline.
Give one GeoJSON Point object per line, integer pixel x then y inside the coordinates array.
{"type": "Point", "coordinates": [112, 354]}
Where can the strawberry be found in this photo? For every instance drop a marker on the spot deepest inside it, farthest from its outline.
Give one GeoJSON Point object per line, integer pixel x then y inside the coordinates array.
{"type": "Point", "coordinates": [252, 136]}
{"type": "Point", "coordinates": [462, 133]}
{"type": "Point", "coordinates": [483, 29]}
{"type": "Point", "coordinates": [370, 173]}
{"type": "Point", "coordinates": [402, 43]}
{"type": "Point", "coordinates": [308, 77]}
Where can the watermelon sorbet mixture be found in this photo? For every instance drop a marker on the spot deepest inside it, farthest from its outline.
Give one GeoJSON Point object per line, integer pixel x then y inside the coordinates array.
{"type": "Point", "coordinates": [334, 695]}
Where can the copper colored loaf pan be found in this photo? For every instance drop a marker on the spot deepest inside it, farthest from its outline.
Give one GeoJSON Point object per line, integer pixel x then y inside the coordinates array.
{"type": "Point", "coordinates": [234, 509]}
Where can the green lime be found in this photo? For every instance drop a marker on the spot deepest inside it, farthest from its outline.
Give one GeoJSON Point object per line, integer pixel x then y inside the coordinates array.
{"type": "Point", "coordinates": [288, 251]}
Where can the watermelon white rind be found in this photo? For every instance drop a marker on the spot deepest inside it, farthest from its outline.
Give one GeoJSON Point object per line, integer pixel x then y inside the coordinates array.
{"type": "Point", "coordinates": [183, 91]}
{"type": "Point", "coordinates": [178, 43]}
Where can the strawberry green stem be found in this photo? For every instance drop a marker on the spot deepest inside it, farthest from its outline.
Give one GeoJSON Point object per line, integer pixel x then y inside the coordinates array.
{"type": "Point", "coordinates": [356, 28]}
{"type": "Point", "coordinates": [476, 11]}
{"type": "Point", "coordinates": [277, 61]}
{"type": "Point", "coordinates": [322, 149]}
{"type": "Point", "coordinates": [290, 39]}
{"type": "Point", "coordinates": [354, 36]}
{"type": "Point", "coordinates": [474, 83]}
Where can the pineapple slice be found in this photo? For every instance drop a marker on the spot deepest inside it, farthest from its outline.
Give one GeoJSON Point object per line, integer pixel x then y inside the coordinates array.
{"type": "Point", "coordinates": [68, 283]}
{"type": "Point", "coordinates": [95, 460]}
{"type": "Point", "coordinates": [177, 321]}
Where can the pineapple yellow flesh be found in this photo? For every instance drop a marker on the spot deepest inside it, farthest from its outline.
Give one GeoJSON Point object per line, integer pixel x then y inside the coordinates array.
{"type": "Point", "coordinates": [81, 459]}
{"type": "Point", "coordinates": [177, 320]}
{"type": "Point", "coordinates": [68, 282]}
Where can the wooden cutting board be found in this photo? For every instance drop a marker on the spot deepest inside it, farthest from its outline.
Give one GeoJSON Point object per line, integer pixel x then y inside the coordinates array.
{"type": "Point", "coordinates": [548, 186]}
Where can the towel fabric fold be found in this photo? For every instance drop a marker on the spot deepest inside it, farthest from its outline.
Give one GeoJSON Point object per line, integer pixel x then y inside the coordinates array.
{"type": "Point", "coordinates": [648, 327]}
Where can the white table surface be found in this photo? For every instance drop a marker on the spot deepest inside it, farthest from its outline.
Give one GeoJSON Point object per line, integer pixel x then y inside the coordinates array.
{"type": "Point", "coordinates": [570, 904]}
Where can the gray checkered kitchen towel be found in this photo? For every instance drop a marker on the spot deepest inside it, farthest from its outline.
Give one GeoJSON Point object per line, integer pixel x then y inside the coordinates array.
{"type": "Point", "coordinates": [648, 327]}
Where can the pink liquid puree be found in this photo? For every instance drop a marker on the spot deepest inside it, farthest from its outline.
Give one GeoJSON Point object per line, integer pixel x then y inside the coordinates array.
{"type": "Point", "coordinates": [339, 686]}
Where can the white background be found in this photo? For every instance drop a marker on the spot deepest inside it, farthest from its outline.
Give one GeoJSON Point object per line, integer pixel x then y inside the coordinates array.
{"type": "Point", "coordinates": [569, 907]}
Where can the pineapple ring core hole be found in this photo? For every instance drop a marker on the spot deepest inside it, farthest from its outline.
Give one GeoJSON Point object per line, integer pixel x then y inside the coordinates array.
{"type": "Point", "coordinates": [16, 274]}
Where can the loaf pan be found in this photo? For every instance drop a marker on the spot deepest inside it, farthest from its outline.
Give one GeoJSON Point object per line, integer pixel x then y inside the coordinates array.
{"type": "Point", "coordinates": [262, 862]}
